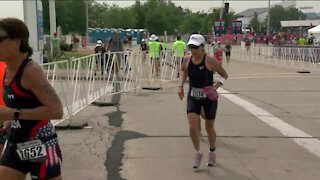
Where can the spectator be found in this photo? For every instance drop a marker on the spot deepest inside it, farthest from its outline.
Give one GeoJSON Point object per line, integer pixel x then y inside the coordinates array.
{"type": "Point", "coordinates": [100, 61]}
{"type": "Point", "coordinates": [115, 46]}
{"type": "Point", "coordinates": [179, 51]}
{"type": "Point", "coordinates": [144, 49]}
{"type": "Point", "coordinates": [55, 42]}
{"type": "Point", "coordinates": [154, 53]}
{"type": "Point", "coordinates": [302, 41]}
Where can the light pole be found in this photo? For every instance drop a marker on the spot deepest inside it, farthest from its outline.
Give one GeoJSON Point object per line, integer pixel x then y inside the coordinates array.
{"type": "Point", "coordinates": [53, 21]}
{"type": "Point", "coordinates": [87, 21]}
{"type": "Point", "coordinates": [221, 10]}
{"type": "Point", "coordinates": [268, 23]}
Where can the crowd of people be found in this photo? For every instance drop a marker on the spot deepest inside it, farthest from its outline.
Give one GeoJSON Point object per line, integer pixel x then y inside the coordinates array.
{"type": "Point", "coordinates": [28, 141]}
{"type": "Point", "coordinates": [283, 39]}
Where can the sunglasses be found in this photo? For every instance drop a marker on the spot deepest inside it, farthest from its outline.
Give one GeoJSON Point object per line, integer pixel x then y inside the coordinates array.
{"type": "Point", "coordinates": [3, 38]}
{"type": "Point", "coordinates": [194, 47]}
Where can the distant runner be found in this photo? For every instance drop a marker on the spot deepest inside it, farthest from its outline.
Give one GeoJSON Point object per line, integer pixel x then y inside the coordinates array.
{"type": "Point", "coordinates": [228, 51]}
{"type": "Point", "coordinates": [219, 53]}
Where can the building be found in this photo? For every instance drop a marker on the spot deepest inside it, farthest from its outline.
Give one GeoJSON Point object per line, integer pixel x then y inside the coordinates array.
{"type": "Point", "coordinates": [299, 26]}
{"type": "Point", "coordinates": [299, 23]}
{"type": "Point", "coordinates": [246, 15]}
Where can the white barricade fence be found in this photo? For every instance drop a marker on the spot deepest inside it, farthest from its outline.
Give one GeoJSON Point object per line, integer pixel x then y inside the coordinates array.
{"type": "Point", "coordinates": [171, 67]}
{"type": "Point", "coordinates": [118, 71]}
{"type": "Point", "coordinates": [82, 81]}
{"type": "Point", "coordinates": [58, 73]}
{"type": "Point", "coordinates": [301, 58]}
{"type": "Point", "coordinates": [74, 82]}
{"type": "Point", "coordinates": [155, 72]}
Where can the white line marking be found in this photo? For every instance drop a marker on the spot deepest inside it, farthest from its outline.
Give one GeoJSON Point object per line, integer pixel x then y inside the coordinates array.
{"type": "Point", "coordinates": [263, 74]}
{"type": "Point", "coordinates": [260, 77]}
{"type": "Point", "coordinates": [309, 143]}
{"type": "Point", "coordinates": [87, 127]}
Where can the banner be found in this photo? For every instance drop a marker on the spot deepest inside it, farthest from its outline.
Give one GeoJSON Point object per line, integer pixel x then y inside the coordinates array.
{"type": "Point", "coordinates": [219, 27]}
{"type": "Point", "coordinates": [237, 27]}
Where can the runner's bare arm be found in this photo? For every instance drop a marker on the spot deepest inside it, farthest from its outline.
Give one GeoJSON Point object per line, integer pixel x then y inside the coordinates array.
{"type": "Point", "coordinates": [35, 81]}
{"type": "Point", "coordinates": [184, 73]}
{"type": "Point", "coordinates": [214, 66]}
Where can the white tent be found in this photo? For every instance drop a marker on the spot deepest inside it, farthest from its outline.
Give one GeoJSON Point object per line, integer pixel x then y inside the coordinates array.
{"type": "Point", "coordinates": [315, 31]}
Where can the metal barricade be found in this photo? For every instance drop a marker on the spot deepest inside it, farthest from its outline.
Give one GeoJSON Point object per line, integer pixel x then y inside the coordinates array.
{"type": "Point", "coordinates": [156, 72]}
{"type": "Point", "coordinates": [301, 58]}
{"type": "Point", "coordinates": [82, 81]}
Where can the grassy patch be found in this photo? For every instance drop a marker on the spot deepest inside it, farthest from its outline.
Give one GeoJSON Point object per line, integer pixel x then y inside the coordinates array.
{"type": "Point", "coordinates": [70, 55]}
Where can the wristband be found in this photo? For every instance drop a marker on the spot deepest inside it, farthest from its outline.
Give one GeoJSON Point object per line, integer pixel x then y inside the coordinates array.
{"type": "Point", "coordinates": [181, 82]}
{"type": "Point", "coordinates": [16, 114]}
{"type": "Point", "coordinates": [221, 80]}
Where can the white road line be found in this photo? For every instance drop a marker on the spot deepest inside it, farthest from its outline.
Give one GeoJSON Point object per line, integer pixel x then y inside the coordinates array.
{"type": "Point", "coordinates": [261, 77]}
{"type": "Point", "coordinates": [263, 74]}
{"type": "Point", "coordinates": [309, 143]}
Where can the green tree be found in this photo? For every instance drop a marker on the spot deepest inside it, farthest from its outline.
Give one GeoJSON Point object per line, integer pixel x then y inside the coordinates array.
{"type": "Point", "coordinates": [173, 16]}
{"type": "Point", "coordinates": [278, 14]}
{"type": "Point", "coordinates": [295, 14]}
{"type": "Point", "coordinates": [116, 17]}
{"type": "Point", "coordinates": [155, 21]}
{"type": "Point", "coordinates": [96, 13]}
{"type": "Point", "coordinates": [140, 10]}
{"type": "Point", "coordinates": [155, 15]}
{"type": "Point", "coordinates": [208, 21]}
{"type": "Point", "coordinates": [191, 24]}
{"type": "Point", "coordinates": [162, 16]}
{"type": "Point", "coordinates": [255, 23]}
{"type": "Point", "coordinates": [228, 19]}
{"type": "Point", "coordinates": [203, 22]}
{"type": "Point", "coordinates": [70, 14]}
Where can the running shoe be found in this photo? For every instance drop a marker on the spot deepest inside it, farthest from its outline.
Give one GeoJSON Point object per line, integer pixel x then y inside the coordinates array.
{"type": "Point", "coordinates": [197, 160]}
{"type": "Point", "coordinates": [212, 159]}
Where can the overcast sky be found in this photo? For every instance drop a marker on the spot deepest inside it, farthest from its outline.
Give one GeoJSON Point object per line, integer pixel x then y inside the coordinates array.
{"type": "Point", "coordinates": [14, 8]}
{"type": "Point", "coordinates": [11, 9]}
{"type": "Point", "coordinates": [236, 5]}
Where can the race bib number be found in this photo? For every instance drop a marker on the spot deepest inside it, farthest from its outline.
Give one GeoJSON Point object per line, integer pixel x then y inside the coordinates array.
{"type": "Point", "coordinates": [31, 150]}
{"type": "Point", "coordinates": [197, 93]}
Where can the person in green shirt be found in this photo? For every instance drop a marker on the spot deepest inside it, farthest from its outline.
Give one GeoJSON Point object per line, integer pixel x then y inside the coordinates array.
{"type": "Point", "coordinates": [154, 53]}
{"type": "Point", "coordinates": [55, 43]}
{"type": "Point", "coordinates": [302, 41]}
{"type": "Point", "coordinates": [179, 49]}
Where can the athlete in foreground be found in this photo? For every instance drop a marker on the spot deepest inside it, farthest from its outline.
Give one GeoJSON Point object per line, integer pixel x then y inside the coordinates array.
{"type": "Point", "coordinates": [3, 134]}
{"type": "Point", "coordinates": [202, 98]}
{"type": "Point", "coordinates": [31, 102]}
